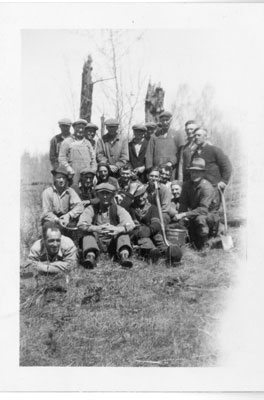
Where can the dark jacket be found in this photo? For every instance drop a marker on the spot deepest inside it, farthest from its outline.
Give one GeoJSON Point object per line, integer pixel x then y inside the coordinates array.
{"type": "Point", "coordinates": [55, 144]}
{"type": "Point", "coordinates": [218, 165]}
{"type": "Point", "coordinates": [134, 160]}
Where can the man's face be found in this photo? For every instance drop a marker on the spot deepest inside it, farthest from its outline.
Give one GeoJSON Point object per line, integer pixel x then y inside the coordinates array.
{"type": "Point", "coordinates": [189, 129]}
{"type": "Point", "coordinates": [79, 131]}
{"type": "Point", "coordinates": [103, 173]}
{"type": "Point", "coordinates": [141, 200]}
{"type": "Point", "coordinates": [65, 129]}
{"type": "Point", "coordinates": [153, 176]}
{"type": "Point", "coordinates": [52, 242]}
{"type": "Point", "coordinates": [105, 197]}
{"type": "Point", "coordinates": [165, 122]}
{"type": "Point", "coordinates": [150, 131]}
{"type": "Point", "coordinates": [196, 175]}
{"type": "Point", "coordinates": [60, 181]}
{"type": "Point", "coordinates": [139, 135]}
{"type": "Point", "coordinates": [176, 191]}
{"type": "Point", "coordinates": [112, 130]}
{"type": "Point", "coordinates": [126, 175]}
{"type": "Point", "coordinates": [164, 176]}
{"type": "Point", "coordinates": [200, 136]}
{"type": "Point", "coordinates": [90, 133]}
{"type": "Point", "coordinates": [87, 180]}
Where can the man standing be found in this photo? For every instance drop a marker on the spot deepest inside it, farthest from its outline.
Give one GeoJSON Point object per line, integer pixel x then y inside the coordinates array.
{"type": "Point", "coordinates": [112, 148]}
{"type": "Point", "coordinates": [90, 134]}
{"type": "Point", "coordinates": [106, 227]}
{"type": "Point", "coordinates": [164, 148]}
{"type": "Point", "coordinates": [137, 151]}
{"type": "Point", "coordinates": [76, 153]}
{"type": "Point", "coordinates": [60, 203]}
{"type": "Point", "coordinates": [54, 253]}
{"type": "Point", "coordinates": [198, 204]}
{"type": "Point", "coordinates": [186, 151]}
{"type": "Point", "coordinates": [55, 143]}
{"type": "Point", "coordinates": [218, 165]}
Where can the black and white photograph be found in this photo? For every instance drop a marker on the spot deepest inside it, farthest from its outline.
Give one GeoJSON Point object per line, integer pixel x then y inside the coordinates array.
{"type": "Point", "coordinates": [137, 176]}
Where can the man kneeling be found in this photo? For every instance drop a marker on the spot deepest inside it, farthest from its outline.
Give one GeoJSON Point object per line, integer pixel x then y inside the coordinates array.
{"type": "Point", "coordinates": [106, 226]}
{"type": "Point", "coordinates": [147, 233]}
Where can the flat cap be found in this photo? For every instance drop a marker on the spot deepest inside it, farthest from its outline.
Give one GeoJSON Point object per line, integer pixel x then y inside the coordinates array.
{"type": "Point", "coordinates": [151, 124]}
{"type": "Point", "coordinates": [107, 187]}
{"type": "Point", "coordinates": [198, 164]}
{"type": "Point", "coordinates": [111, 122]}
{"type": "Point", "coordinates": [88, 170]}
{"type": "Point", "coordinates": [79, 122]}
{"type": "Point", "coordinates": [60, 170]}
{"type": "Point", "coordinates": [165, 114]}
{"type": "Point", "coordinates": [65, 121]}
{"type": "Point", "coordinates": [140, 190]}
{"type": "Point", "coordinates": [178, 183]}
{"type": "Point", "coordinates": [139, 127]}
{"type": "Point", "coordinates": [90, 125]}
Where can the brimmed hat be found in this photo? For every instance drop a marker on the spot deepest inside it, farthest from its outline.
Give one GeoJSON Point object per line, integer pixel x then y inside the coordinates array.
{"type": "Point", "coordinates": [60, 170]}
{"type": "Point", "coordinates": [65, 121]}
{"type": "Point", "coordinates": [198, 164]}
{"type": "Point", "coordinates": [139, 127]}
{"type": "Point", "coordinates": [140, 190]}
{"type": "Point", "coordinates": [79, 122]}
{"type": "Point", "coordinates": [90, 125]}
{"type": "Point", "coordinates": [106, 187]}
{"type": "Point", "coordinates": [111, 122]}
{"type": "Point", "coordinates": [87, 170]}
{"type": "Point", "coordinates": [165, 114]}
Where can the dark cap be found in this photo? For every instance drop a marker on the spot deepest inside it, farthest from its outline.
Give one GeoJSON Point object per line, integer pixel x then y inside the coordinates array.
{"type": "Point", "coordinates": [87, 170]}
{"type": "Point", "coordinates": [60, 170]}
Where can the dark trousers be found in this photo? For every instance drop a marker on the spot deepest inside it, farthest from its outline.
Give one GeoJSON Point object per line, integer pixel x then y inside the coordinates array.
{"type": "Point", "coordinates": [93, 243]}
{"type": "Point", "coordinates": [202, 227]}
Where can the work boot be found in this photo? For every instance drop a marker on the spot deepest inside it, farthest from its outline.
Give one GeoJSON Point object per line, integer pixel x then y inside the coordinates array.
{"type": "Point", "coordinates": [154, 255]}
{"type": "Point", "coordinates": [173, 255]}
{"type": "Point", "coordinates": [124, 259]}
{"type": "Point", "coordinates": [89, 262]}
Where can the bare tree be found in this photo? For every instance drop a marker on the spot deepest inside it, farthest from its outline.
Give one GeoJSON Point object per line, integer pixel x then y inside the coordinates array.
{"type": "Point", "coordinates": [154, 102]}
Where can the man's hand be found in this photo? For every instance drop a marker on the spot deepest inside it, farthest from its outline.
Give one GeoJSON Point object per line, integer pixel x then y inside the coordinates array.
{"type": "Point", "coordinates": [221, 186]}
{"type": "Point", "coordinates": [113, 168]}
{"type": "Point", "coordinates": [179, 216]}
{"type": "Point", "coordinates": [64, 220]}
{"type": "Point", "coordinates": [111, 230]}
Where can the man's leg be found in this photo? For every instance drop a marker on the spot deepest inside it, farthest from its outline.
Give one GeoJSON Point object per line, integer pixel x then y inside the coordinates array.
{"type": "Point", "coordinates": [90, 251]}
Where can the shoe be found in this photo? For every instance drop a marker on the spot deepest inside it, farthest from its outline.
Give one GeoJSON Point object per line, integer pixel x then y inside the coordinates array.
{"type": "Point", "coordinates": [154, 255]}
{"type": "Point", "coordinates": [89, 262]}
{"type": "Point", "coordinates": [124, 261]}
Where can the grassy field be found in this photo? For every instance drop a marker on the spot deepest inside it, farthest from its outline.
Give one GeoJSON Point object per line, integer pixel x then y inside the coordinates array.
{"type": "Point", "coordinates": [148, 316]}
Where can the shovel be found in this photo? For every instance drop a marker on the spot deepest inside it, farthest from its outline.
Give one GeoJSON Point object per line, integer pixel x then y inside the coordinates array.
{"type": "Point", "coordinates": [227, 241]}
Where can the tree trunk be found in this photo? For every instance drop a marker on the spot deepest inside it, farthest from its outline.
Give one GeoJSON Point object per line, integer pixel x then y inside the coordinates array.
{"type": "Point", "coordinates": [154, 103]}
{"type": "Point", "coordinates": [87, 90]}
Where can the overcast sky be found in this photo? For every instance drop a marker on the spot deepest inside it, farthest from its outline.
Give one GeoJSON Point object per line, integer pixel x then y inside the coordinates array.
{"type": "Point", "coordinates": [52, 63]}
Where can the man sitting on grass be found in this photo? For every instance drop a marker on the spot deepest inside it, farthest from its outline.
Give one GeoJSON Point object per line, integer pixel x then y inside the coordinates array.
{"type": "Point", "coordinates": [54, 253]}
{"type": "Point", "coordinates": [106, 227]}
{"type": "Point", "coordinates": [86, 187]}
{"type": "Point", "coordinates": [198, 205]}
{"type": "Point", "coordinates": [147, 234]}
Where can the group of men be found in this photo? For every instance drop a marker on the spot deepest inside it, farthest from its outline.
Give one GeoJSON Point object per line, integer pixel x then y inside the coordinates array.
{"type": "Point", "coordinates": [120, 195]}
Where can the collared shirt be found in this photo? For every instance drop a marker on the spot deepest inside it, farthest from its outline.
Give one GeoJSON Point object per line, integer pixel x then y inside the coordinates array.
{"type": "Point", "coordinates": [197, 198]}
{"type": "Point", "coordinates": [65, 259]}
{"type": "Point", "coordinates": [55, 205]}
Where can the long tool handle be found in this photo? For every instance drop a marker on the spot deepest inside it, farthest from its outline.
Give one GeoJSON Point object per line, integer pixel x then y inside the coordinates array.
{"type": "Point", "coordinates": [224, 208]}
{"type": "Point", "coordinates": [160, 214]}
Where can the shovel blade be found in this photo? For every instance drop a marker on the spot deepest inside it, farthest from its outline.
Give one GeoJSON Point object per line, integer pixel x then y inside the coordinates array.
{"type": "Point", "coordinates": [227, 242]}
